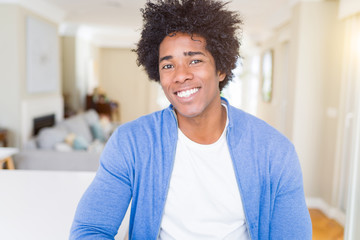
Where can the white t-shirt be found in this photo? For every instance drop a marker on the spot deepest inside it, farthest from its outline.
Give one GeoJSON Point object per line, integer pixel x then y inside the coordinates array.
{"type": "Point", "coordinates": [203, 201]}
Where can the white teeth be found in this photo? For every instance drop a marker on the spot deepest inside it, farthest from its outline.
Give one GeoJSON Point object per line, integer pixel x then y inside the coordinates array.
{"type": "Point", "coordinates": [187, 93]}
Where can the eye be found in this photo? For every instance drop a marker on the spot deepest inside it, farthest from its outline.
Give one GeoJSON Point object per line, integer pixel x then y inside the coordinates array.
{"type": "Point", "coordinates": [167, 66]}
{"type": "Point", "coordinates": [195, 61]}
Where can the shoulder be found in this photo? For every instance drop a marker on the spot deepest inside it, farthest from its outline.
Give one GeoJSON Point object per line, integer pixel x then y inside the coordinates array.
{"type": "Point", "coordinates": [260, 143]}
{"type": "Point", "coordinates": [137, 137]}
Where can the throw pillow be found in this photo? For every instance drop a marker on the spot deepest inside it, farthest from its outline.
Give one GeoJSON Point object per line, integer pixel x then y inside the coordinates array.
{"type": "Point", "coordinates": [97, 132]}
{"type": "Point", "coordinates": [70, 139]}
{"type": "Point", "coordinates": [63, 147]}
{"type": "Point", "coordinates": [80, 143]}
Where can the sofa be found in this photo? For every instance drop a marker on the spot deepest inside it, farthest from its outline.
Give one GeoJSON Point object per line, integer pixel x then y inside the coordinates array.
{"type": "Point", "coordinates": [74, 144]}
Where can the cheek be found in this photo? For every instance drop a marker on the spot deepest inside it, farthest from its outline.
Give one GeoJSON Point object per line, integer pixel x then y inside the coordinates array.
{"type": "Point", "coordinates": [165, 87]}
{"type": "Point", "coordinates": [165, 80]}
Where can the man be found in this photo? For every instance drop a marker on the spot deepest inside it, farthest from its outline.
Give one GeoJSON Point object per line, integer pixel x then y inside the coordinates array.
{"type": "Point", "coordinates": [200, 169]}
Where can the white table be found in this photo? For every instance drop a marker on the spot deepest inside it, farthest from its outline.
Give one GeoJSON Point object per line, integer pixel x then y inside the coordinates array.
{"type": "Point", "coordinates": [41, 205]}
{"type": "Point", "coordinates": [5, 156]}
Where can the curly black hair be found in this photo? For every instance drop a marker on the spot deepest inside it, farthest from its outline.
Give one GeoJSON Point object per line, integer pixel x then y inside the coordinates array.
{"type": "Point", "coordinates": [207, 18]}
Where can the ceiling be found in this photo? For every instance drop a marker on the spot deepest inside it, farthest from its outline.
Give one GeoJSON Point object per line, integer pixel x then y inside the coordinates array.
{"type": "Point", "coordinates": [124, 17]}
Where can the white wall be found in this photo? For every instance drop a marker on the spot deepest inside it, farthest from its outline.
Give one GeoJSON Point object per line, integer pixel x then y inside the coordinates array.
{"type": "Point", "coordinates": [9, 71]}
{"type": "Point", "coordinates": [317, 78]}
{"type": "Point", "coordinates": [84, 55]}
{"type": "Point", "coordinates": [307, 73]}
{"type": "Point", "coordinates": [348, 8]}
{"type": "Point", "coordinates": [126, 83]}
{"type": "Point", "coordinates": [68, 48]}
{"type": "Point", "coordinates": [13, 93]}
{"type": "Point", "coordinates": [279, 111]}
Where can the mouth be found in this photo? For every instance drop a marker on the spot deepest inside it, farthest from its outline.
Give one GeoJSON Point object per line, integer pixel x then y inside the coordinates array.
{"type": "Point", "coordinates": [187, 93]}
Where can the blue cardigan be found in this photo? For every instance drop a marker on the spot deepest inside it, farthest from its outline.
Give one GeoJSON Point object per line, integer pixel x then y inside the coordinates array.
{"type": "Point", "coordinates": [137, 162]}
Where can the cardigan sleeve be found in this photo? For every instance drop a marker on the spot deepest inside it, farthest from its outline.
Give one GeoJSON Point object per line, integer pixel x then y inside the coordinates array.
{"type": "Point", "coordinates": [104, 204]}
{"type": "Point", "coordinates": [290, 217]}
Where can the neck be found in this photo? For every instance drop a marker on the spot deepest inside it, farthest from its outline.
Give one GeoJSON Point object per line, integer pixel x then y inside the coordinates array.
{"type": "Point", "coordinates": [204, 129]}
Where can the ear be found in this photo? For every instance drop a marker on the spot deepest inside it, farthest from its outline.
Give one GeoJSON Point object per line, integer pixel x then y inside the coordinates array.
{"type": "Point", "coordinates": [221, 76]}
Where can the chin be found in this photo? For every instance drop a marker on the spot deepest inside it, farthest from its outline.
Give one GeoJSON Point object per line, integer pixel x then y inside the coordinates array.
{"type": "Point", "coordinates": [187, 114]}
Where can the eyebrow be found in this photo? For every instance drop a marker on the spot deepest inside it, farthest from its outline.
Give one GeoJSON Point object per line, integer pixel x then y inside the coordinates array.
{"type": "Point", "coordinates": [165, 58]}
{"type": "Point", "coordinates": [193, 53]}
{"type": "Point", "coordinates": [190, 53]}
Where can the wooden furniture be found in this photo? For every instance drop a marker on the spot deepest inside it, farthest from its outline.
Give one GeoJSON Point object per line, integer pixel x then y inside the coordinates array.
{"type": "Point", "coordinates": [103, 107]}
{"type": "Point", "coordinates": [3, 137]}
{"type": "Point", "coordinates": [5, 157]}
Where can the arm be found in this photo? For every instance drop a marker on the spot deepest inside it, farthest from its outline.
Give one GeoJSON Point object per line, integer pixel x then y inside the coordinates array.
{"type": "Point", "coordinates": [290, 217]}
{"type": "Point", "coordinates": [104, 204]}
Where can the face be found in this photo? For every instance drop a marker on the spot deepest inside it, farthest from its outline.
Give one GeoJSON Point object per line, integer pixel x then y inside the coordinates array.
{"type": "Point", "coordinates": [188, 76]}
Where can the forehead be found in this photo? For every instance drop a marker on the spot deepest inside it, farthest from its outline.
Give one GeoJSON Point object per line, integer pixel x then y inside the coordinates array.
{"type": "Point", "coordinates": [177, 42]}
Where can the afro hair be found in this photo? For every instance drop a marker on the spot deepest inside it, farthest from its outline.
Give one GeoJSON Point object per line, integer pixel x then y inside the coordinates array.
{"type": "Point", "coordinates": [207, 18]}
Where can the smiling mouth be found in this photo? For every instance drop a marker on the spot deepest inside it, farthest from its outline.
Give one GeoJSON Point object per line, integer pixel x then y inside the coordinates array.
{"type": "Point", "coordinates": [187, 93]}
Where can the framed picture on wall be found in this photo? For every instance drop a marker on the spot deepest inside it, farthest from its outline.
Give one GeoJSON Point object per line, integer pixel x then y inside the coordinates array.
{"type": "Point", "coordinates": [42, 53]}
{"type": "Point", "coordinates": [267, 75]}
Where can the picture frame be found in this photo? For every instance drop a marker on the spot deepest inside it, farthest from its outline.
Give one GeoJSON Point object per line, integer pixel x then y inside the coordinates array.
{"type": "Point", "coordinates": [42, 56]}
{"type": "Point", "coordinates": [267, 75]}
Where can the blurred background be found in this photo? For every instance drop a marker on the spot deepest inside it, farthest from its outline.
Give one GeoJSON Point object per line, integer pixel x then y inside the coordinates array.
{"type": "Point", "coordinates": [299, 71]}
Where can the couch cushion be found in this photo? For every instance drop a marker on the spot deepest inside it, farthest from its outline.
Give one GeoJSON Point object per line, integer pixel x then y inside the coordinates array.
{"type": "Point", "coordinates": [98, 132]}
{"type": "Point", "coordinates": [78, 126]}
{"type": "Point", "coordinates": [91, 117]}
{"type": "Point", "coordinates": [48, 137]}
{"type": "Point", "coordinates": [80, 143]}
{"type": "Point", "coordinates": [63, 147]}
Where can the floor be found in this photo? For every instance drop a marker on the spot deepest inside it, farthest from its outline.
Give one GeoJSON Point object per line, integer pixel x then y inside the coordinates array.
{"type": "Point", "coordinates": [325, 228]}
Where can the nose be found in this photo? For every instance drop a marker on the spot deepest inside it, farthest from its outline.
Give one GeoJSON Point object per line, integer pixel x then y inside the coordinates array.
{"type": "Point", "coordinates": [183, 73]}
